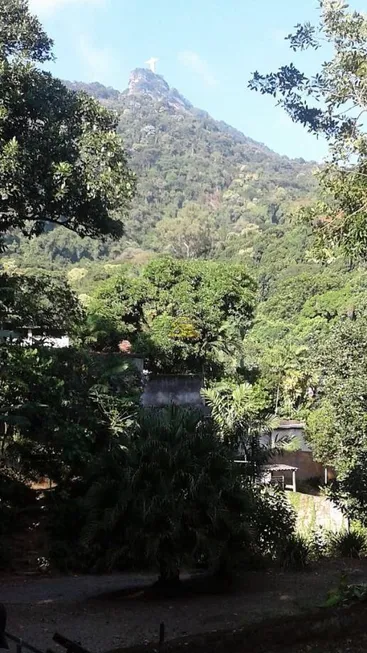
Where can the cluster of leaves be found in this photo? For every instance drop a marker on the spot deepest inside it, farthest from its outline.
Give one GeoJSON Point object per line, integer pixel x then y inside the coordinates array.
{"type": "Point", "coordinates": [295, 552]}
{"type": "Point", "coordinates": [241, 413]}
{"type": "Point", "coordinates": [300, 550]}
{"type": "Point", "coordinates": [51, 139]}
{"type": "Point", "coordinates": [200, 514]}
{"type": "Point", "coordinates": [183, 315]}
{"type": "Point", "coordinates": [348, 544]}
{"type": "Point", "coordinates": [298, 314]}
{"type": "Point", "coordinates": [346, 594]}
{"type": "Point", "coordinates": [59, 409]}
{"type": "Point", "coordinates": [52, 405]}
{"type": "Point", "coordinates": [332, 103]}
{"type": "Point", "coordinates": [40, 301]}
{"type": "Point", "coordinates": [337, 425]}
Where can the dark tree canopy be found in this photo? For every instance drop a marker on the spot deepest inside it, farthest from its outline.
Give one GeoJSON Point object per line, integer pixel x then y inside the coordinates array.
{"type": "Point", "coordinates": [332, 103]}
{"type": "Point", "coordinates": [38, 300]}
{"type": "Point", "coordinates": [21, 34]}
{"type": "Point", "coordinates": [61, 161]}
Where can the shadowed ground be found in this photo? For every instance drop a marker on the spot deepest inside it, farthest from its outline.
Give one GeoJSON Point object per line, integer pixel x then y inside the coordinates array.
{"type": "Point", "coordinates": [96, 612]}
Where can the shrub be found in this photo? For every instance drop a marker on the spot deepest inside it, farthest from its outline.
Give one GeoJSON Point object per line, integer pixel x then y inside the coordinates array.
{"type": "Point", "coordinates": [295, 553]}
{"type": "Point", "coordinates": [15, 498]}
{"type": "Point", "coordinates": [346, 594]}
{"type": "Point", "coordinates": [319, 544]}
{"type": "Point", "coordinates": [348, 544]}
{"type": "Point", "coordinates": [273, 520]}
{"type": "Point", "coordinates": [174, 496]}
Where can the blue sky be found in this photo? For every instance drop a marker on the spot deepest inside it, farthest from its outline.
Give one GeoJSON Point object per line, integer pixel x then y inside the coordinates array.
{"type": "Point", "coordinates": [206, 48]}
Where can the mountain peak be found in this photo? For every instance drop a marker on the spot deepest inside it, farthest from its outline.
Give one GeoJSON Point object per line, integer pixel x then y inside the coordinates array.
{"type": "Point", "coordinates": [144, 81]}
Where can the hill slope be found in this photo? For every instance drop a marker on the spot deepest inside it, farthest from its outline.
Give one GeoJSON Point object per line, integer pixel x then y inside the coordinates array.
{"type": "Point", "coordinates": [197, 177]}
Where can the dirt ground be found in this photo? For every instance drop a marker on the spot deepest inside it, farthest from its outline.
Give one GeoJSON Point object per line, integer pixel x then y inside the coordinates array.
{"type": "Point", "coordinates": [90, 610]}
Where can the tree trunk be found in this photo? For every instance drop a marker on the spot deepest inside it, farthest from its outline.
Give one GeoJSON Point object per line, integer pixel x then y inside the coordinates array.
{"type": "Point", "coordinates": [167, 575]}
{"type": "Point", "coordinates": [277, 399]}
{"type": "Point", "coordinates": [168, 583]}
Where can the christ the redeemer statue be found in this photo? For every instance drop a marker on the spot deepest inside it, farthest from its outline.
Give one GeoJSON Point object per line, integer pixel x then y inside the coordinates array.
{"type": "Point", "coordinates": [152, 63]}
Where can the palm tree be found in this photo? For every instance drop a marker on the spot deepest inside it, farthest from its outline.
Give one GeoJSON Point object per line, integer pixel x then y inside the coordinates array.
{"type": "Point", "coordinates": [241, 418]}
{"type": "Point", "coordinates": [174, 495]}
{"type": "Point", "coordinates": [287, 362]}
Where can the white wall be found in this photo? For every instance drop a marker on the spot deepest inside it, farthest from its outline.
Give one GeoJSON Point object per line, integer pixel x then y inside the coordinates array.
{"type": "Point", "coordinates": [47, 341]}
{"type": "Point", "coordinates": [292, 432]}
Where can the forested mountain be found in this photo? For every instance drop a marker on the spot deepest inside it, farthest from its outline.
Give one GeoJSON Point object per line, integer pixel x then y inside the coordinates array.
{"type": "Point", "coordinates": [208, 188]}
{"type": "Point", "coordinates": [207, 191]}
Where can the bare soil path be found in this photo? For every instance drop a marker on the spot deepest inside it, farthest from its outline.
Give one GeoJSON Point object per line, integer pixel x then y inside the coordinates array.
{"type": "Point", "coordinates": [85, 608]}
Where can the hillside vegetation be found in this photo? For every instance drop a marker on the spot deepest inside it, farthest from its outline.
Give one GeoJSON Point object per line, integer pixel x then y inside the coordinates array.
{"type": "Point", "coordinates": [208, 188]}
{"type": "Point", "coordinates": [224, 263]}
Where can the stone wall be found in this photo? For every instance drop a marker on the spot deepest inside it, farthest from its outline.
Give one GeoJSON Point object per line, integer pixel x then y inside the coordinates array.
{"type": "Point", "coordinates": [182, 390]}
{"type": "Point", "coordinates": [315, 512]}
{"type": "Point", "coordinates": [307, 467]}
{"type": "Point", "coordinates": [295, 432]}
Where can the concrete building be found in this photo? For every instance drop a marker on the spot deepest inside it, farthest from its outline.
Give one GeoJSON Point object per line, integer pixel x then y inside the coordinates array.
{"type": "Point", "coordinates": [296, 452]}
{"type": "Point", "coordinates": [28, 336]}
{"type": "Point", "coordinates": [57, 341]}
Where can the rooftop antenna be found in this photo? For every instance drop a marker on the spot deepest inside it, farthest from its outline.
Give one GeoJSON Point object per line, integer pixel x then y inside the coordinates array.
{"type": "Point", "coordinates": [152, 63]}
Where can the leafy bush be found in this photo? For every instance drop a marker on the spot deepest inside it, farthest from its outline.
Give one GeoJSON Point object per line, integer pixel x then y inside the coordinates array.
{"type": "Point", "coordinates": [319, 544]}
{"type": "Point", "coordinates": [273, 520]}
{"type": "Point", "coordinates": [295, 553]}
{"type": "Point", "coordinates": [171, 496]}
{"type": "Point", "coordinates": [348, 544]}
{"type": "Point", "coordinates": [346, 594]}
{"type": "Point", "coordinates": [15, 496]}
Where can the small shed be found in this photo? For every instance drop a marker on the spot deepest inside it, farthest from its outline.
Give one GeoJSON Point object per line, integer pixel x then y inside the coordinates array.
{"type": "Point", "coordinates": [279, 474]}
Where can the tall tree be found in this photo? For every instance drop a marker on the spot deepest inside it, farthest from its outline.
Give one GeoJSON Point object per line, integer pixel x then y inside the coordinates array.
{"type": "Point", "coordinates": [337, 428]}
{"type": "Point", "coordinates": [181, 312]}
{"type": "Point", "coordinates": [190, 235]}
{"type": "Point", "coordinates": [61, 162]}
{"type": "Point", "coordinates": [38, 300]}
{"type": "Point", "coordinates": [332, 103]}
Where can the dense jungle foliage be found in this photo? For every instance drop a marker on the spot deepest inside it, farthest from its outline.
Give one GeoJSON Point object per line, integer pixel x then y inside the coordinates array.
{"type": "Point", "coordinates": [210, 190]}
{"type": "Point", "coordinates": [192, 246]}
